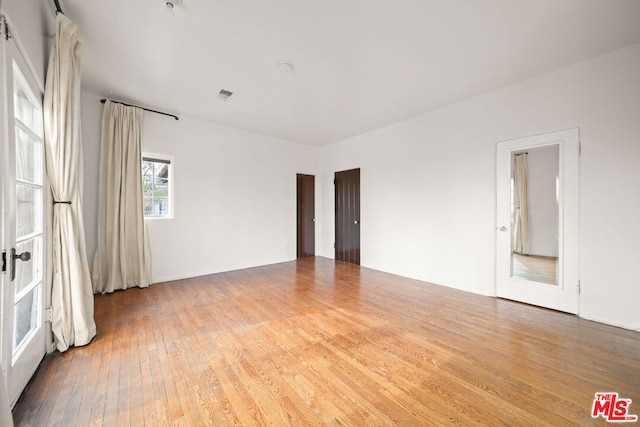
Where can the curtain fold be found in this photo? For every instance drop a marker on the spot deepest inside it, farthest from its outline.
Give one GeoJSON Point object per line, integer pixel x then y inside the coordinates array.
{"type": "Point", "coordinates": [122, 257]}
{"type": "Point", "coordinates": [71, 293]}
{"type": "Point", "coordinates": [521, 204]}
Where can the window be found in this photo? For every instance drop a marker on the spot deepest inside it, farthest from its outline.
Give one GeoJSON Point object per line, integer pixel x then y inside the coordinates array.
{"type": "Point", "coordinates": [156, 187]}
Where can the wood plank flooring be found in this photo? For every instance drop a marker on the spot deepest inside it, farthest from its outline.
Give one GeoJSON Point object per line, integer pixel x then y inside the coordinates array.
{"type": "Point", "coordinates": [318, 342]}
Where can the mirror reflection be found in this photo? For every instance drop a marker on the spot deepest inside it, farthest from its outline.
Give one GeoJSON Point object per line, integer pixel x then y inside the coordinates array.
{"type": "Point", "coordinates": [534, 214]}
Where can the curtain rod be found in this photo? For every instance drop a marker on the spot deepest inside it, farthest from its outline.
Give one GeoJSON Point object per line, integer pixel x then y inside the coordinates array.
{"type": "Point", "coordinates": [58, 8]}
{"type": "Point", "coordinates": [145, 109]}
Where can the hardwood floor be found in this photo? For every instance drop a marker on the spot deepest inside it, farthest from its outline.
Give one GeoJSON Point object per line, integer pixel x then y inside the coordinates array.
{"type": "Point", "coordinates": [318, 342]}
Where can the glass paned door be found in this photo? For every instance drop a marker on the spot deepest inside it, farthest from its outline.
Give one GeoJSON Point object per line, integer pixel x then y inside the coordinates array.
{"type": "Point", "coordinates": [29, 217]}
{"type": "Point", "coordinates": [23, 192]}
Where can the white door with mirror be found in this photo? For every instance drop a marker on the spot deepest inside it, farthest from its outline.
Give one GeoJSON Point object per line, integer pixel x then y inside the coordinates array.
{"type": "Point", "coordinates": [537, 220]}
{"type": "Point", "coordinates": [23, 341]}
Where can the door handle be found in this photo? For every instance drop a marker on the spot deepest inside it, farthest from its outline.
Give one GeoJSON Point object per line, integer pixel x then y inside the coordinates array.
{"type": "Point", "coordinates": [24, 257]}
{"type": "Point", "coordinates": [356, 222]}
{"type": "Point", "coordinates": [503, 228]}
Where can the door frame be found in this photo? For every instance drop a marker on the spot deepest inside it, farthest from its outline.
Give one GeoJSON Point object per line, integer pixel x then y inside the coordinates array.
{"type": "Point", "coordinates": [565, 295]}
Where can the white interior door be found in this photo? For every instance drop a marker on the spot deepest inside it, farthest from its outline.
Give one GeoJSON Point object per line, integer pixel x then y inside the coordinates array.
{"type": "Point", "coordinates": [23, 239]}
{"type": "Point", "coordinates": [537, 220]}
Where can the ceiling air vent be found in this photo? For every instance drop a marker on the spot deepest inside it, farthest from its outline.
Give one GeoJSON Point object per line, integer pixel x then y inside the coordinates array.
{"type": "Point", "coordinates": [224, 94]}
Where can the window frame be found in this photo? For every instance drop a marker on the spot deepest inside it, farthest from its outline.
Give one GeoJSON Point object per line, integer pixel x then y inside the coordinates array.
{"type": "Point", "coordinates": [160, 158]}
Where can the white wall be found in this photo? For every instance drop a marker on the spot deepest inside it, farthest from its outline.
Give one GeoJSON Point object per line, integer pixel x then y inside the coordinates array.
{"type": "Point", "coordinates": [235, 194]}
{"type": "Point", "coordinates": [33, 21]}
{"type": "Point", "coordinates": [91, 131]}
{"type": "Point", "coordinates": [428, 184]}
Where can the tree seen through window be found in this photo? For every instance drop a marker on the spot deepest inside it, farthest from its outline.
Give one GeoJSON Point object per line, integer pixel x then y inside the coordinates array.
{"type": "Point", "coordinates": [156, 175]}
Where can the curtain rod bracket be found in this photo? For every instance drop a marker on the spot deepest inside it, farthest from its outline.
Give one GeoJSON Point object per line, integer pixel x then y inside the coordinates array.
{"type": "Point", "coordinates": [145, 109]}
{"type": "Point", "coordinates": [58, 8]}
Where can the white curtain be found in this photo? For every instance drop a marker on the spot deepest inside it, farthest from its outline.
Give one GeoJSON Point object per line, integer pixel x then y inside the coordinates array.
{"type": "Point", "coordinates": [122, 257]}
{"type": "Point", "coordinates": [72, 294]}
{"type": "Point", "coordinates": [521, 204]}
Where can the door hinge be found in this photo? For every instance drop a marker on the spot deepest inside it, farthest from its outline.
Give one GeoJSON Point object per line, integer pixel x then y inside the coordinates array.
{"type": "Point", "coordinates": [4, 261]}
{"type": "Point", "coordinates": [579, 148]}
{"type": "Point", "coordinates": [48, 315]}
{"type": "Point", "coordinates": [578, 287]}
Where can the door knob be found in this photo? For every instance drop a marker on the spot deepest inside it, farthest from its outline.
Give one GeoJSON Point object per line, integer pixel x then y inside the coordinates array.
{"type": "Point", "coordinates": [355, 222]}
{"type": "Point", "coordinates": [24, 256]}
{"type": "Point", "coordinates": [503, 228]}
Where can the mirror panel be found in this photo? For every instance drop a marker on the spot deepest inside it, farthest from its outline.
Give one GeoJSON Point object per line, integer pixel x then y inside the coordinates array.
{"type": "Point", "coordinates": [535, 183]}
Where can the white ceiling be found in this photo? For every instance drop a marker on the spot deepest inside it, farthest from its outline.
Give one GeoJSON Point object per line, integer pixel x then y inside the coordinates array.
{"type": "Point", "coordinates": [359, 64]}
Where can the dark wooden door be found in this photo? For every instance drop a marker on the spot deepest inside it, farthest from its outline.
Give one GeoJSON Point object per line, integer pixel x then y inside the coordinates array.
{"type": "Point", "coordinates": [347, 193]}
{"type": "Point", "coordinates": [306, 216]}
